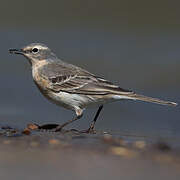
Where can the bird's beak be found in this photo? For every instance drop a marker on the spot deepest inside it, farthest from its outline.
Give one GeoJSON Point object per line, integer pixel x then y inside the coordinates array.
{"type": "Point", "coordinates": [16, 51]}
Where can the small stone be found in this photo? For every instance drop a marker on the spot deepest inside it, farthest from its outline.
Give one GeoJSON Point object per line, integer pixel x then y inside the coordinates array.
{"type": "Point", "coordinates": [26, 131]}
{"type": "Point", "coordinates": [140, 144]}
{"type": "Point", "coordinates": [34, 144]}
{"type": "Point", "coordinates": [164, 158]}
{"type": "Point", "coordinates": [32, 126]}
{"type": "Point", "coordinates": [13, 133]}
{"type": "Point", "coordinates": [162, 146]}
{"type": "Point", "coordinates": [109, 139]}
{"type": "Point", "coordinates": [54, 142]}
{"type": "Point", "coordinates": [7, 142]}
{"type": "Point", "coordinates": [121, 151]}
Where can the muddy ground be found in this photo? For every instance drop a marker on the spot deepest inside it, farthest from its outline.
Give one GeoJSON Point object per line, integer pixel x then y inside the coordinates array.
{"type": "Point", "coordinates": [43, 154]}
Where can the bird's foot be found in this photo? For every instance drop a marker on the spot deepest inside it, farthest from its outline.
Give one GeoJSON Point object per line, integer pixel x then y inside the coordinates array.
{"type": "Point", "coordinates": [89, 131]}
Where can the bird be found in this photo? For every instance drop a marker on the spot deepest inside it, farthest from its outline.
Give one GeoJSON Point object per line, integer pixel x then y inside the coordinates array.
{"type": "Point", "coordinates": [72, 87]}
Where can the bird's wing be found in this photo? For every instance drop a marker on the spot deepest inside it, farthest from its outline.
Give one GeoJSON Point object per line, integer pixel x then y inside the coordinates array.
{"type": "Point", "coordinates": [87, 85]}
{"type": "Point", "coordinates": [78, 81]}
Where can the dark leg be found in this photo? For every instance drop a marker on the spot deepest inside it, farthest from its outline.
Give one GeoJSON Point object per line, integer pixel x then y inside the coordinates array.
{"type": "Point", "coordinates": [68, 122]}
{"type": "Point", "coordinates": [91, 128]}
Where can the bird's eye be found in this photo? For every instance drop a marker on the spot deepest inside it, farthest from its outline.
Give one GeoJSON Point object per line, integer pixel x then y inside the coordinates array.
{"type": "Point", "coordinates": [35, 50]}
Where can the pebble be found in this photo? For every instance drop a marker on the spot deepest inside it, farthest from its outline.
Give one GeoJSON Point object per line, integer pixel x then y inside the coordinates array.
{"type": "Point", "coordinates": [54, 142]}
{"type": "Point", "coordinates": [7, 142]}
{"type": "Point", "coordinates": [26, 131]}
{"type": "Point", "coordinates": [140, 144]}
{"type": "Point", "coordinates": [32, 126]}
{"type": "Point", "coordinates": [121, 151]}
{"type": "Point", "coordinates": [34, 144]}
{"type": "Point", "coordinates": [109, 139]}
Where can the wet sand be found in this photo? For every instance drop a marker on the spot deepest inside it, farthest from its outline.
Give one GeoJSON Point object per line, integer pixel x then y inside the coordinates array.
{"type": "Point", "coordinates": [43, 154]}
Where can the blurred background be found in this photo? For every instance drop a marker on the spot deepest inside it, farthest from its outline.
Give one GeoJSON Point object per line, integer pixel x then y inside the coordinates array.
{"type": "Point", "coordinates": [135, 44]}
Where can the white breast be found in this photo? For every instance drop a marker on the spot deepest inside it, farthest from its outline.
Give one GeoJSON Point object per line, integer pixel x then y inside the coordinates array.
{"type": "Point", "coordinates": [70, 101]}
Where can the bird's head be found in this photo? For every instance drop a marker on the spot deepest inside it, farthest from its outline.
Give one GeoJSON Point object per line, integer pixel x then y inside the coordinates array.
{"type": "Point", "coordinates": [35, 52]}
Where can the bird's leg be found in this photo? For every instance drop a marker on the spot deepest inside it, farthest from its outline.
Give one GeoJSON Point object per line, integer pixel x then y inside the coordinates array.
{"type": "Point", "coordinates": [79, 114]}
{"type": "Point", "coordinates": [92, 125]}
{"type": "Point", "coordinates": [95, 118]}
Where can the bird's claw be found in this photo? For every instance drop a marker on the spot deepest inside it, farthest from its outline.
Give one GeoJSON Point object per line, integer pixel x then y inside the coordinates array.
{"type": "Point", "coordinates": [89, 131]}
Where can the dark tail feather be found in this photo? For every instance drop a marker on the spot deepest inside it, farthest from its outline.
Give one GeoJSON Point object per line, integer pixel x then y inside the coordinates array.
{"type": "Point", "coordinates": [150, 99]}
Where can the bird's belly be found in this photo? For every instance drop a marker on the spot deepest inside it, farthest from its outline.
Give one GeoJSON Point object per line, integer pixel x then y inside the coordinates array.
{"type": "Point", "coordinates": [76, 101]}
{"type": "Point", "coordinates": [70, 101]}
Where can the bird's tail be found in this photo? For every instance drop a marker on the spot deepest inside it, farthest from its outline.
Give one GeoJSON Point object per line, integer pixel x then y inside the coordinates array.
{"type": "Point", "coordinates": [150, 99]}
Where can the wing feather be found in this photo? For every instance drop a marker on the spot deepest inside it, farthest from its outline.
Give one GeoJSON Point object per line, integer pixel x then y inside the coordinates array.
{"type": "Point", "coordinates": [86, 85]}
{"type": "Point", "coordinates": [76, 80]}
